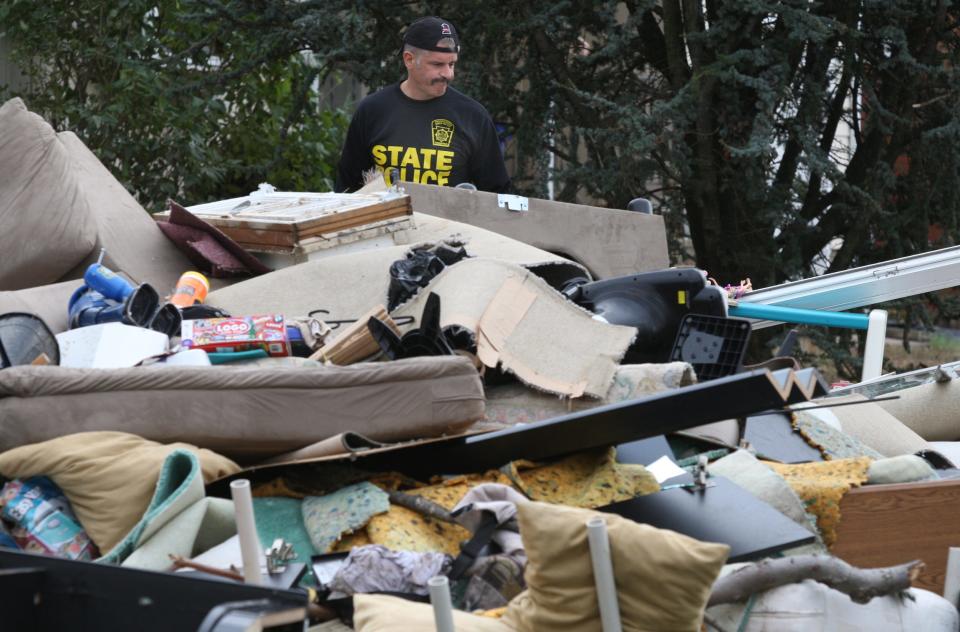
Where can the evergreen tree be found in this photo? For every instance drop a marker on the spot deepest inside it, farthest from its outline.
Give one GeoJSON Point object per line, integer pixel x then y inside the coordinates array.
{"type": "Point", "coordinates": [766, 128]}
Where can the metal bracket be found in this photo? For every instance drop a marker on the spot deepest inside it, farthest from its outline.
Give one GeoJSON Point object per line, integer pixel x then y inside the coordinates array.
{"type": "Point", "coordinates": [278, 555]}
{"type": "Point", "coordinates": [512, 202]}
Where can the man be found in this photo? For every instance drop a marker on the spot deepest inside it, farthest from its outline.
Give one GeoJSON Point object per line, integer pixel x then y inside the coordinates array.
{"type": "Point", "coordinates": [421, 127]}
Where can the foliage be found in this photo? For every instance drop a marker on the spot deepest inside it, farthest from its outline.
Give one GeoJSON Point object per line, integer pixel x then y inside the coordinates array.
{"type": "Point", "coordinates": [175, 102]}
{"type": "Point", "coordinates": [765, 128]}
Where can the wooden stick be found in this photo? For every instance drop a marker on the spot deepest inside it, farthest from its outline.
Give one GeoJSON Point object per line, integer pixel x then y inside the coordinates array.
{"type": "Point", "coordinates": [182, 562]}
{"type": "Point", "coordinates": [423, 506]}
{"type": "Point", "coordinates": [861, 584]}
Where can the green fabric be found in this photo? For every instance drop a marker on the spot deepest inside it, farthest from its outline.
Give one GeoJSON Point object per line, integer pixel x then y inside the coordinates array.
{"type": "Point", "coordinates": [283, 518]}
{"type": "Point", "coordinates": [198, 528]}
{"type": "Point", "coordinates": [327, 518]}
{"type": "Point", "coordinates": [832, 443]}
{"type": "Point", "coordinates": [179, 485]}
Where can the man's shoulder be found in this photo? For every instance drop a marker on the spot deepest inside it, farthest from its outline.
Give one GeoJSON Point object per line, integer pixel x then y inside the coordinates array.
{"type": "Point", "coordinates": [468, 103]}
{"type": "Point", "coordinates": [383, 96]}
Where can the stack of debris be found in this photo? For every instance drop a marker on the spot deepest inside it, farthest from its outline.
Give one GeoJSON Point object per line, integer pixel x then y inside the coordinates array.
{"type": "Point", "coordinates": [449, 429]}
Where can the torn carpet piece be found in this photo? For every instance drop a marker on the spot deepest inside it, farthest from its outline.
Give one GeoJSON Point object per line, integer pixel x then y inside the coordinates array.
{"type": "Point", "coordinates": [327, 518]}
{"type": "Point", "coordinates": [527, 326]}
{"type": "Point", "coordinates": [822, 485]}
{"type": "Point", "coordinates": [208, 247]}
{"type": "Point", "coordinates": [515, 403]}
{"type": "Point", "coordinates": [532, 332]}
{"type": "Point", "coordinates": [588, 479]}
{"type": "Point", "coordinates": [283, 518]}
{"type": "Point", "coordinates": [831, 443]}
{"type": "Point", "coordinates": [403, 529]}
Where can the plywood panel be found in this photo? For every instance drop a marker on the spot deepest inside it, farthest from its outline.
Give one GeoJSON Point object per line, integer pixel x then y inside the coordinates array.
{"type": "Point", "coordinates": [609, 242]}
{"type": "Point", "coordinates": [883, 525]}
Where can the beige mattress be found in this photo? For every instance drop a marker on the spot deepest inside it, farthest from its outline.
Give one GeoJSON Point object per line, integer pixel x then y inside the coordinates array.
{"type": "Point", "coordinates": [244, 412]}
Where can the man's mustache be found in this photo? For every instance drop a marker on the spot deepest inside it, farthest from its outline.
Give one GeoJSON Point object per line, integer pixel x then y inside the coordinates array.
{"type": "Point", "coordinates": [440, 80]}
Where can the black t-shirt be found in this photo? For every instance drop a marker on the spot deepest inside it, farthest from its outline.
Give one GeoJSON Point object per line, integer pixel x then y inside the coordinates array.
{"type": "Point", "coordinates": [445, 141]}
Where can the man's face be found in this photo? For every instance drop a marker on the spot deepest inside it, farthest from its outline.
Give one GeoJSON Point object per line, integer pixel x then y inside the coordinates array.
{"type": "Point", "coordinates": [429, 72]}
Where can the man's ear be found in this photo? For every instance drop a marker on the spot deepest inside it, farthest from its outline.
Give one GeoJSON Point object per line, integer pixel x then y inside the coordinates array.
{"type": "Point", "coordinates": [408, 59]}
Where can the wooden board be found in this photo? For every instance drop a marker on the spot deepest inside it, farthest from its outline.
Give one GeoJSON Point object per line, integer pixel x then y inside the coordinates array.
{"type": "Point", "coordinates": [285, 223]}
{"type": "Point", "coordinates": [883, 525]}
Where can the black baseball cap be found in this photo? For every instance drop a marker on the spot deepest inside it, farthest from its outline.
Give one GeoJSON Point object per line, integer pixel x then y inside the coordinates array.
{"type": "Point", "coordinates": [426, 34]}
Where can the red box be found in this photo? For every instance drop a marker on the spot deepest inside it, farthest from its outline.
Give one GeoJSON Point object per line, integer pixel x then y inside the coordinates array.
{"type": "Point", "coordinates": [243, 333]}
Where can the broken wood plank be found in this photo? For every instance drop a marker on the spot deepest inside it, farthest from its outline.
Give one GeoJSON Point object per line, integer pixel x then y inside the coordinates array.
{"type": "Point", "coordinates": [885, 525]}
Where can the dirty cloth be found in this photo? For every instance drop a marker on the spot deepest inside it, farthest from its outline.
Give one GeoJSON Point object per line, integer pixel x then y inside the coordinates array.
{"type": "Point", "coordinates": [113, 478]}
{"type": "Point", "coordinates": [832, 443]}
{"type": "Point", "coordinates": [494, 580]}
{"type": "Point", "coordinates": [822, 486]}
{"type": "Point", "coordinates": [376, 568]}
{"type": "Point", "coordinates": [501, 501]}
{"type": "Point", "coordinates": [905, 468]}
{"type": "Point", "coordinates": [327, 518]}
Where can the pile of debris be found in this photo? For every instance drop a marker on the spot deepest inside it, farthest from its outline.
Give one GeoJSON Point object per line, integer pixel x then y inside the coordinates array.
{"type": "Point", "coordinates": [417, 423]}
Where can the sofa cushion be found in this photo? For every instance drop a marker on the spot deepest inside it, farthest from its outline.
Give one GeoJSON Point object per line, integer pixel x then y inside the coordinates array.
{"type": "Point", "coordinates": [48, 228]}
{"type": "Point", "coordinates": [109, 477]}
{"type": "Point", "coordinates": [382, 613]}
{"type": "Point", "coordinates": [663, 578]}
{"type": "Point", "coordinates": [244, 412]}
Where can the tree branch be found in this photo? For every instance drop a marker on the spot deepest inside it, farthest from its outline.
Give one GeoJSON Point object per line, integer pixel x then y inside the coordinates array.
{"type": "Point", "coordinates": [860, 584]}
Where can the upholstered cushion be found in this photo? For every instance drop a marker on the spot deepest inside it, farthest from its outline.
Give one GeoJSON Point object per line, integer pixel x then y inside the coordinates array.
{"type": "Point", "coordinates": [109, 477]}
{"type": "Point", "coordinates": [380, 613]}
{"type": "Point", "coordinates": [663, 578]}
{"type": "Point", "coordinates": [47, 225]}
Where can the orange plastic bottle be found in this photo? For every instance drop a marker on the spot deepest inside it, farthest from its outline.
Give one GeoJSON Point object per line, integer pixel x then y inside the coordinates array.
{"type": "Point", "coordinates": [191, 289]}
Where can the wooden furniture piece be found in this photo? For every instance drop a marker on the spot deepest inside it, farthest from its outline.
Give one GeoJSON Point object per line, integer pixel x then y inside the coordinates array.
{"type": "Point", "coordinates": [883, 525]}
{"type": "Point", "coordinates": [285, 222]}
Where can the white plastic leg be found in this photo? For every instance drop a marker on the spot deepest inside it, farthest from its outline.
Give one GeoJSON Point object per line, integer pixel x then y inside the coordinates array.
{"type": "Point", "coordinates": [247, 530]}
{"type": "Point", "coordinates": [439, 588]}
{"type": "Point", "coordinates": [873, 350]}
{"type": "Point", "coordinates": [951, 584]}
{"type": "Point", "coordinates": [603, 575]}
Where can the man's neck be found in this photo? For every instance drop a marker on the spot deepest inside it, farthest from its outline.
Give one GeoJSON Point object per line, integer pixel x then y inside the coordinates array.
{"type": "Point", "coordinates": [410, 91]}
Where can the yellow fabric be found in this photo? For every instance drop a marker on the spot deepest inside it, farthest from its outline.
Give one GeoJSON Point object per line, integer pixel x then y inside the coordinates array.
{"type": "Point", "coordinates": [109, 477]}
{"type": "Point", "coordinates": [381, 613]}
{"type": "Point", "coordinates": [402, 529]}
{"type": "Point", "coordinates": [822, 485]}
{"type": "Point", "coordinates": [663, 578]}
{"type": "Point", "coordinates": [347, 542]}
{"type": "Point", "coordinates": [587, 479]}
